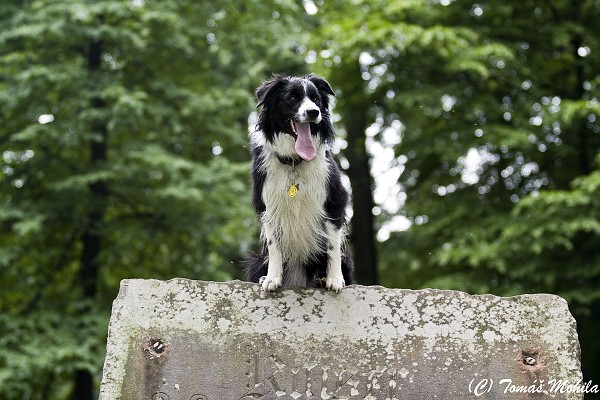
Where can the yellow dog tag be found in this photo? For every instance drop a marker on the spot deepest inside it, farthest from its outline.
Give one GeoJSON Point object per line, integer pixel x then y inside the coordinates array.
{"type": "Point", "coordinates": [293, 190]}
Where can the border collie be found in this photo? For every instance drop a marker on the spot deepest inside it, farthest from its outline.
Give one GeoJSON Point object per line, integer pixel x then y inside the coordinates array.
{"type": "Point", "coordinates": [297, 192]}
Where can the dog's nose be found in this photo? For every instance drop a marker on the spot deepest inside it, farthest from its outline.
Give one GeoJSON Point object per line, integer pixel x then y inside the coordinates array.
{"type": "Point", "coordinates": [313, 114]}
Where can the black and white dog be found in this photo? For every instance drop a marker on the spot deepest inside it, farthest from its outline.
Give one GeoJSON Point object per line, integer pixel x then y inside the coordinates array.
{"type": "Point", "coordinates": [297, 191]}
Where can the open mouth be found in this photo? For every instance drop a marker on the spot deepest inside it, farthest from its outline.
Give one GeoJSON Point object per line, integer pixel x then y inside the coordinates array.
{"type": "Point", "coordinates": [293, 126]}
{"type": "Point", "coordinates": [305, 146]}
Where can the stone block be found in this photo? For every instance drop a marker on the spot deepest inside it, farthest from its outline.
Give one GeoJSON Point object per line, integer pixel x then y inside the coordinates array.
{"type": "Point", "coordinates": [194, 340]}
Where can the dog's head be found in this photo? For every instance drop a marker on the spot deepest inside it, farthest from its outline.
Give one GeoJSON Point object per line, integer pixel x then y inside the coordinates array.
{"type": "Point", "coordinates": [296, 106]}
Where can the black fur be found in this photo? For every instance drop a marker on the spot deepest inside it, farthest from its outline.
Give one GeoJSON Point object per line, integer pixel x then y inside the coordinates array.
{"type": "Point", "coordinates": [280, 98]}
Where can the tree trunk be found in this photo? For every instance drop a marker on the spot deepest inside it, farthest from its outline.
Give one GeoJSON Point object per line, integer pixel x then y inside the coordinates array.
{"type": "Point", "coordinates": [585, 155]}
{"type": "Point", "coordinates": [91, 239]}
{"type": "Point", "coordinates": [354, 108]}
{"type": "Point", "coordinates": [363, 232]}
{"type": "Point", "coordinates": [83, 385]}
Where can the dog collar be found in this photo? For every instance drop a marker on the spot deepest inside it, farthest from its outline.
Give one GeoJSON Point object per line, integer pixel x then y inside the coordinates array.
{"type": "Point", "coordinates": [291, 161]}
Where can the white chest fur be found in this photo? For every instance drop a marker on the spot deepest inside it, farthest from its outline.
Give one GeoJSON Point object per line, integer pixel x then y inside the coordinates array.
{"type": "Point", "coordinates": [296, 223]}
{"type": "Point", "coordinates": [296, 228]}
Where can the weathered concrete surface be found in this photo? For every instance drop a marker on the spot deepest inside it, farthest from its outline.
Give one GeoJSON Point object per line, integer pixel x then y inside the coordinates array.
{"type": "Point", "coordinates": [193, 340]}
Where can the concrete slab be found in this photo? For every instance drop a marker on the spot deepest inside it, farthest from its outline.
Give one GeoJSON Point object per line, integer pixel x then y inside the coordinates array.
{"type": "Point", "coordinates": [194, 340]}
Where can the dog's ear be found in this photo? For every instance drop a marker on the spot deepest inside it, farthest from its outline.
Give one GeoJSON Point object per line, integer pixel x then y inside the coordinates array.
{"type": "Point", "coordinates": [267, 87]}
{"type": "Point", "coordinates": [322, 85]}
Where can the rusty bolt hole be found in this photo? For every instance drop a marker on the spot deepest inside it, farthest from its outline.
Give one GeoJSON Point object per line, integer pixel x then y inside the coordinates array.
{"type": "Point", "coordinates": [530, 358]}
{"type": "Point", "coordinates": [155, 347]}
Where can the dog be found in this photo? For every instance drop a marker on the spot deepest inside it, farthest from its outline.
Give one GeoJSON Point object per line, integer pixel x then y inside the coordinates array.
{"type": "Point", "coordinates": [297, 190]}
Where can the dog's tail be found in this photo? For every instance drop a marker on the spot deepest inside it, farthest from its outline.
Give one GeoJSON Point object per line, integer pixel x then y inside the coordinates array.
{"type": "Point", "coordinates": [255, 266]}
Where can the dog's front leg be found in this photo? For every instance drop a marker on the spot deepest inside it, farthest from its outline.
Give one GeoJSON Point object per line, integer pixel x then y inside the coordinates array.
{"type": "Point", "coordinates": [272, 281]}
{"type": "Point", "coordinates": [334, 279]}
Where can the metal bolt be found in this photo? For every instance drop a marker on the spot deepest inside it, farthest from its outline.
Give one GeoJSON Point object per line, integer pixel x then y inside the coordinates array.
{"type": "Point", "coordinates": [529, 360]}
{"type": "Point", "coordinates": [157, 346]}
{"type": "Point", "coordinates": [154, 347]}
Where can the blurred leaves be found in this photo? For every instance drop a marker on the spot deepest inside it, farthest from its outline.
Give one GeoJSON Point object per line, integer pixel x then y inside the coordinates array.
{"type": "Point", "coordinates": [487, 113]}
{"type": "Point", "coordinates": [167, 101]}
{"type": "Point", "coordinates": [496, 111]}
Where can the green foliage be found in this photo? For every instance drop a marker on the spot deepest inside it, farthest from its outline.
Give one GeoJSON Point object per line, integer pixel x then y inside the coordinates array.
{"type": "Point", "coordinates": [126, 121]}
{"type": "Point", "coordinates": [44, 347]}
{"type": "Point", "coordinates": [123, 121]}
{"type": "Point", "coordinates": [496, 110]}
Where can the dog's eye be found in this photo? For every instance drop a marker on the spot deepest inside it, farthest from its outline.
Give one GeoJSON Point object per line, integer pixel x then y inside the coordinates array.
{"type": "Point", "coordinates": [292, 98]}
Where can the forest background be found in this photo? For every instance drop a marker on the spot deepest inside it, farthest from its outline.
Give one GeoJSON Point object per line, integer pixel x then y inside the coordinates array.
{"type": "Point", "coordinates": [469, 133]}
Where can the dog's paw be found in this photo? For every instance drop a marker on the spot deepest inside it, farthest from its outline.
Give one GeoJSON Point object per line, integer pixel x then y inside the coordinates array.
{"type": "Point", "coordinates": [319, 282]}
{"type": "Point", "coordinates": [335, 283]}
{"type": "Point", "coordinates": [270, 283]}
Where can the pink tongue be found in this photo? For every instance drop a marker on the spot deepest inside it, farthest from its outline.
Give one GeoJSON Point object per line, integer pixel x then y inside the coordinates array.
{"type": "Point", "coordinates": [304, 143]}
